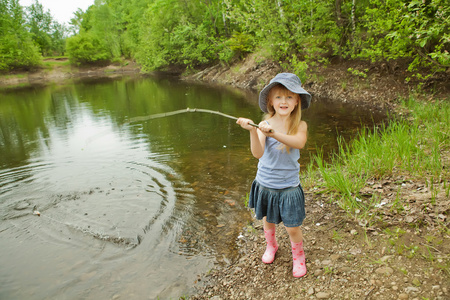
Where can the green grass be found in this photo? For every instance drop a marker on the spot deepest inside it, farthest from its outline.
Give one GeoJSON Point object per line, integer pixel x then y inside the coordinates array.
{"type": "Point", "coordinates": [411, 145]}
{"type": "Point", "coordinates": [336, 236]}
{"type": "Point", "coordinates": [12, 76]}
{"type": "Point", "coordinates": [52, 64]}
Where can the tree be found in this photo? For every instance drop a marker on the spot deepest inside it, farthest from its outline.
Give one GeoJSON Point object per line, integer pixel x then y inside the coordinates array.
{"type": "Point", "coordinates": [416, 30]}
{"type": "Point", "coordinates": [17, 49]}
{"type": "Point", "coordinates": [46, 32]}
{"type": "Point", "coordinates": [298, 34]}
{"type": "Point", "coordinates": [187, 40]}
{"type": "Point", "coordinates": [81, 21]}
{"type": "Point", "coordinates": [106, 23]}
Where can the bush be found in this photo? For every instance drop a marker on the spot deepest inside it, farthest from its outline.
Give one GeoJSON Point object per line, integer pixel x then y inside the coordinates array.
{"type": "Point", "coordinates": [86, 48]}
{"type": "Point", "coordinates": [16, 54]}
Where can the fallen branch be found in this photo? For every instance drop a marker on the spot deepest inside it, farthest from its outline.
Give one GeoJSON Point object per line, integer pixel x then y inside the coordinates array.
{"type": "Point", "coordinates": [181, 111]}
{"type": "Point", "coordinates": [168, 114]}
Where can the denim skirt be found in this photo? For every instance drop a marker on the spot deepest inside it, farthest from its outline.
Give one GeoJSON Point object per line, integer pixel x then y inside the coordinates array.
{"type": "Point", "coordinates": [278, 205]}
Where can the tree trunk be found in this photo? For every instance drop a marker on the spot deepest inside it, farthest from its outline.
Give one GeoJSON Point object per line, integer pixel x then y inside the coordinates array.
{"type": "Point", "coordinates": [224, 20]}
{"type": "Point", "coordinates": [339, 21]}
{"type": "Point", "coordinates": [280, 9]}
{"type": "Point", "coordinates": [353, 19]}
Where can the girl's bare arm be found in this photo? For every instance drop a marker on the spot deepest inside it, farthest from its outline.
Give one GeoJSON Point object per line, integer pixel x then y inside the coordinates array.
{"type": "Point", "coordinates": [257, 138]}
{"type": "Point", "coordinates": [297, 141]}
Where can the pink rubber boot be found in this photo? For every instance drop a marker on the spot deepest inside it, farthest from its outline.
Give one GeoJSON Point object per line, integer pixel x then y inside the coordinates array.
{"type": "Point", "coordinates": [272, 246]}
{"type": "Point", "coordinates": [299, 265]}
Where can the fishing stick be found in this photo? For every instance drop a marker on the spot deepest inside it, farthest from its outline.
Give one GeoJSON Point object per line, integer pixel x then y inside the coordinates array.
{"type": "Point", "coordinates": [181, 111]}
{"type": "Point", "coordinates": [171, 113]}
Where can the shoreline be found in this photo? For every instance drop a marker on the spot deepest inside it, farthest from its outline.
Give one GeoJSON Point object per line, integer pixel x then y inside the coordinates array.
{"type": "Point", "coordinates": [61, 73]}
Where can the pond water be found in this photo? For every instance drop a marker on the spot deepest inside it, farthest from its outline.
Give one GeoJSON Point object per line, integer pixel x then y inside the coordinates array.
{"type": "Point", "coordinates": [130, 210]}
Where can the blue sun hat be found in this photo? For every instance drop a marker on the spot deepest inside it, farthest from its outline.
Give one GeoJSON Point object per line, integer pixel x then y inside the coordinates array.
{"type": "Point", "coordinates": [292, 83]}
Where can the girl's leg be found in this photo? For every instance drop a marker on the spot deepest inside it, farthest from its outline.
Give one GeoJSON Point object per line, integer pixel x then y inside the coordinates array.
{"type": "Point", "coordinates": [298, 255]}
{"type": "Point", "coordinates": [272, 245]}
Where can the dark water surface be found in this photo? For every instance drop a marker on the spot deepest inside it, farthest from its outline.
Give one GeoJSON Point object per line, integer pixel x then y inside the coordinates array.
{"type": "Point", "coordinates": [135, 211]}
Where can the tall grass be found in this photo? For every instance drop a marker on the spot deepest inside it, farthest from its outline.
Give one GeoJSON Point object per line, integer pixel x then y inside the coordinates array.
{"type": "Point", "coordinates": [411, 146]}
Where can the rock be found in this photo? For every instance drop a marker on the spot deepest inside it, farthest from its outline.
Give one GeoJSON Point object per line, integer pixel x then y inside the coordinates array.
{"type": "Point", "coordinates": [22, 205]}
{"type": "Point", "coordinates": [322, 295]}
{"type": "Point", "coordinates": [412, 289]}
{"type": "Point", "coordinates": [403, 296]}
{"type": "Point", "coordinates": [311, 291]}
{"type": "Point", "coordinates": [346, 269]}
{"type": "Point", "coordinates": [355, 251]}
{"type": "Point", "coordinates": [377, 186]}
{"type": "Point", "coordinates": [384, 271]}
{"type": "Point", "coordinates": [335, 256]}
{"type": "Point", "coordinates": [416, 281]}
{"type": "Point", "coordinates": [318, 272]}
{"type": "Point", "coordinates": [326, 262]}
{"type": "Point", "coordinates": [409, 219]}
{"type": "Point", "coordinates": [385, 258]}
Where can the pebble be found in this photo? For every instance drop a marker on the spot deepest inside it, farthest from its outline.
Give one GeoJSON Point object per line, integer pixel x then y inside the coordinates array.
{"type": "Point", "coordinates": [403, 296]}
{"type": "Point", "coordinates": [416, 281]}
{"type": "Point", "coordinates": [322, 295]}
{"type": "Point", "coordinates": [22, 206]}
{"type": "Point", "coordinates": [385, 258]}
{"type": "Point", "coordinates": [409, 219]}
{"type": "Point", "coordinates": [311, 291]}
{"type": "Point", "coordinates": [384, 271]}
{"type": "Point", "coordinates": [411, 289]}
{"type": "Point", "coordinates": [318, 272]}
{"type": "Point", "coordinates": [335, 256]}
{"type": "Point", "coordinates": [346, 269]}
{"type": "Point", "coordinates": [435, 287]}
{"type": "Point", "coordinates": [326, 262]}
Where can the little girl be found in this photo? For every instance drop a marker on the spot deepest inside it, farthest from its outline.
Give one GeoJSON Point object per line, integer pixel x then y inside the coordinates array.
{"type": "Point", "coordinates": [276, 193]}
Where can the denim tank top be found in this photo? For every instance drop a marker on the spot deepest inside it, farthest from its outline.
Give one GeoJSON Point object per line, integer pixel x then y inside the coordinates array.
{"type": "Point", "coordinates": [278, 169]}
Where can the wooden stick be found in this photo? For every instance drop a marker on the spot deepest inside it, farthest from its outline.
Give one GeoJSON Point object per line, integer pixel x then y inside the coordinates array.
{"type": "Point", "coordinates": [181, 111]}
{"type": "Point", "coordinates": [167, 114]}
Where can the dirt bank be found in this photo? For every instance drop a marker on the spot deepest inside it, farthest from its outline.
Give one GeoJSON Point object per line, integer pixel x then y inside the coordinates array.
{"type": "Point", "coordinates": [349, 81]}
{"type": "Point", "coordinates": [58, 71]}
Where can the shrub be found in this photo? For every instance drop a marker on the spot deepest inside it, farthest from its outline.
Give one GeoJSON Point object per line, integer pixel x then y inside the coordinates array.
{"type": "Point", "coordinates": [87, 48]}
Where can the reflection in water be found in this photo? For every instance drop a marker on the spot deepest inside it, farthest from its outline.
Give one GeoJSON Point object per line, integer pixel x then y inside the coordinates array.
{"type": "Point", "coordinates": [129, 209]}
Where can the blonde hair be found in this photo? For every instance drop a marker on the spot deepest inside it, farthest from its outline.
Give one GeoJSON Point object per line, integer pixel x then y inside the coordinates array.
{"type": "Point", "coordinates": [294, 118]}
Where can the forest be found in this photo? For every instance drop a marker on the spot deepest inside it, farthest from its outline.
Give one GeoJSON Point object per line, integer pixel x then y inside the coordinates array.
{"type": "Point", "coordinates": [161, 34]}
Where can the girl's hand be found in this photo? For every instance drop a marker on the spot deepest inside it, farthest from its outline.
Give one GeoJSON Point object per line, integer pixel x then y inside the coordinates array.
{"type": "Point", "coordinates": [266, 128]}
{"type": "Point", "coordinates": [245, 123]}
